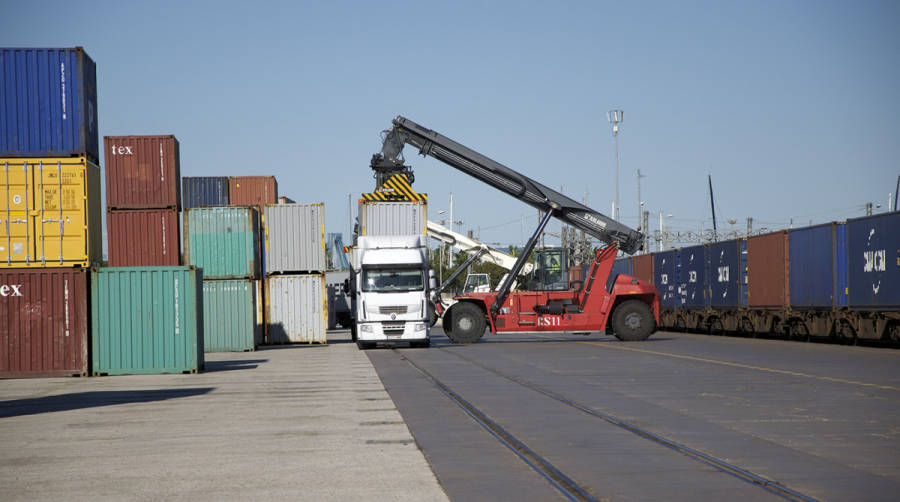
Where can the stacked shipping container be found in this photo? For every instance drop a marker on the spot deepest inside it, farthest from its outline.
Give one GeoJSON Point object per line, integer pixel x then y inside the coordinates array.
{"type": "Point", "coordinates": [50, 192]}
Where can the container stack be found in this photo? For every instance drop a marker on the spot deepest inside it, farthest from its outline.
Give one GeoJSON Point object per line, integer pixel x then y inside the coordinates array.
{"type": "Point", "coordinates": [224, 242]}
{"type": "Point", "coordinates": [50, 184]}
{"type": "Point", "coordinates": [143, 196]}
{"type": "Point", "coordinates": [296, 296]}
{"type": "Point", "coordinates": [204, 191]}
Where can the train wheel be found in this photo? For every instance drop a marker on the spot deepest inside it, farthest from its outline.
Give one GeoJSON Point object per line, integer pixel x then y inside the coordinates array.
{"type": "Point", "coordinates": [632, 321]}
{"type": "Point", "coordinates": [844, 332]}
{"type": "Point", "coordinates": [466, 323]}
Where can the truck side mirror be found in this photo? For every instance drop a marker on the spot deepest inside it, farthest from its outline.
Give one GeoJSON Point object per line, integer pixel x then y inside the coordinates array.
{"type": "Point", "coordinates": [432, 282]}
{"type": "Point", "coordinates": [346, 286]}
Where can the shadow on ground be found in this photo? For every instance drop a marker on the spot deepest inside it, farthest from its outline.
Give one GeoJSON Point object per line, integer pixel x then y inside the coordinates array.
{"type": "Point", "coordinates": [81, 400]}
{"type": "Point", "coordinates": [242, 364]}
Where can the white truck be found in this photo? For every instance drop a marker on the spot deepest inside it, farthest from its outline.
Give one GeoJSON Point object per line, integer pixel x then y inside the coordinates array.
{"type": "Point", "coordinates": [390, 286]}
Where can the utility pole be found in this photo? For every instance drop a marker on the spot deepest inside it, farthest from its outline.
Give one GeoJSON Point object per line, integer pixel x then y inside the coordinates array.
{"type": "Point", "coordinates": [868, 209]}
{"type": "Point", "coordinates": [712, 204]}
{"type": "Point", "coordinates": [896, 193]}
{"type": "Point", "coordinates": [749, 226]}
{"type": "Point", "coordinates": [615, 118]}
{"type": "Point", "coordinates": [640, 201]}
{"type": "Point", "coordinates": [646, 226]}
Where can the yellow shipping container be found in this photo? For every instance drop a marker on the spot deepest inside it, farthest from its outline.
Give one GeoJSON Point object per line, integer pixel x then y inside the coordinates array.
{"type": "Point", "coordinates": [52, 212]}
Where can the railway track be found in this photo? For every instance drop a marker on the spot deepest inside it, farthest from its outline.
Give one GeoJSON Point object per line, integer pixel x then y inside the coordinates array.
{"type": "Point", "coordinates": [568, 487]}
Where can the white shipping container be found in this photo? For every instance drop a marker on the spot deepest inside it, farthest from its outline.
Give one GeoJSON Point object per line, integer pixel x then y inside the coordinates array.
{"type": "Point", "coordinates": [296, 308]}
{"type": "Point", "coordinates": [392, 218]}
{"type": "Point", "coordinates": [295, 238]}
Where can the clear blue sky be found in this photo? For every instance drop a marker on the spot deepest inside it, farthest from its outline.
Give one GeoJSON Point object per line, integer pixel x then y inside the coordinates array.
{"type": "Point", "coordinates": [793, 107]}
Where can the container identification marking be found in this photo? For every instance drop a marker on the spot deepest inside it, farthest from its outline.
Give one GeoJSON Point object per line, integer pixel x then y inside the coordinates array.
{"type": "Point", "coordinates": [62, 85]}
{"type": "Point", "coordinates": [177, 317]}
{"type": "Point", "coordinates": [66, 298]}
{"type": "Point", "coordinates": [11, 290]}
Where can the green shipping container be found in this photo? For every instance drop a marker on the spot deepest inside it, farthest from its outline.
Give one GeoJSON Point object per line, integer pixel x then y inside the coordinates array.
{"type": "Point", "coordinates": [229, 316]}
{"type": "Point", "coordinates": [223, 241]}
{"type": "Point", "coordinates": [146, 320]}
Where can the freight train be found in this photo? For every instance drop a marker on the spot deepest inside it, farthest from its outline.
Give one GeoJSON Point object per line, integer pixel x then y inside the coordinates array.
{"type": "Point", "coordinates": [839, 280]}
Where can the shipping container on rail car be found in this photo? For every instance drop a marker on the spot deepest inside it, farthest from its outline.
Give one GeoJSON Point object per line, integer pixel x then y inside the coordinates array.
{"type": "Point", "coordinates": [873, 244]}
{"type": "Point", "coordinates": [727, 287]}
{"type": "Point", "coordinates": [48, 103]}
{"type": "Point", "coordinates": [146, 320]}
{"type": "Point", "coordinates": [223, 241]}
{"type": "Point", "coordinates": [295, 238]}
{"type": "Point", "coordinates": [296, 308]}
{"type": "Point", "coordinates": [51, 212]}
{"type": "Point", "coordinates": [204, 191]}
{"type": "Point", "coordinates": [768, 272]}
{"type": "Point", "coordinates": [143, 238]}
{"type": "Point", "coordinates": [253, 191]}
{"type": "Point", "coordinates": [818, 264]}
{"type": "Point", "coordinates": [142, 172]}
{"type": "Point", "coordinates": [642, 268]}
{"type": "Point", "coordinates": [392, 218]}
{"type": "Point", "coordinates": [693, 283]}
{"type": "Point", "coordinates": [229, 315]}
{"type": "Point", "coordinates": [665, 276]}
{"type": "Point", "coordinates": [622, 265]}
{"type": "Point", "coordinates": [44, 322]}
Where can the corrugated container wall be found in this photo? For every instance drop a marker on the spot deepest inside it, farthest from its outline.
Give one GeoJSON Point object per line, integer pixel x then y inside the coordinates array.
{"type": "Point", "coordinates": [229, 316]}
{"type": "Point", "coordinates": [295, 238]}
{"type": "Point", "coordinates": [51, 211]}
{"type": "Point", "coordinates": [642, 268]}
{"type": "Point", "coordinates": [48, 103]}
{"type": "Point", "coordinates": [223, 241]}
{"type": "Point", "coordinates": [44, 322]}
{"type": "Point", "coordinates": [142, 172]}
{"type": "Point", "coordinates": [874, 261]}
{"type": "Point", "coordinates": [814, 264]}
{"type": "Point", "coordinates": [725, 275]}
{"type": "Point", "coordinates": [665, 277]}
{"type": "Point", "coordinates": [693, 285]}
{"type": "Point", "coordinates": [204, 191]}
{"type": "Point", "coordinates": [620, 266]}
{"type": "Point", "coordinates": [143, 238]}
{"type": "Point", "coordinates": [297, 308]}
{"type": "Point", "coordinates": [146, 320]}
{"type": "Point", "coordinates": [767, 270]}
{"type": "Point", "coordinates": [392, 218]}
{"type": "Point", "coordinates": [256, 191]}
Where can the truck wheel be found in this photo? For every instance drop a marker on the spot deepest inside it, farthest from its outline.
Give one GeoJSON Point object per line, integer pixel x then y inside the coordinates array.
{"type": "Point", "coordinates": [633, 321]}
{"type": "Point", "coordinates": [466, 323]}
{"type": "Point", "coordinates": [353, 331]}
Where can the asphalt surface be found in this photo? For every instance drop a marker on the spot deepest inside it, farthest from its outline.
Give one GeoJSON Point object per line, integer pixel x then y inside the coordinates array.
{"type": "Point", "coordinates": [819, 419]}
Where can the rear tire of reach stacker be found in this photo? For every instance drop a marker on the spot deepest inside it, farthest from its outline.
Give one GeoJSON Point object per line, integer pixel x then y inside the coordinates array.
{"type": "Point", "coordinates": [466, 323]}
{"type": "Point", "coordinates": [633, 321]}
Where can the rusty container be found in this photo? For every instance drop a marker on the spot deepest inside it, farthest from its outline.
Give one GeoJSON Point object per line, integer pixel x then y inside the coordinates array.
{"type": "Point", "coordinates": [768, 273]}
{"type": "Point", "coordinates": [143, 238]}
{"type": "Point", "coordinates": [643, 267]}
{"type": "Point", "coordinates": [252, 191]}
{"type": "Point", "coordinates": [44, 322]}
{"type": "Point", "coordinates": [142, 172]}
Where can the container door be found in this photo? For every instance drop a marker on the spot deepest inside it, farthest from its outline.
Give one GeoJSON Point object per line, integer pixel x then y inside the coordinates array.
{"type": "Point", "coordinates": [59, 212]}
{"type": "Point", "coordinates": [14, 201]}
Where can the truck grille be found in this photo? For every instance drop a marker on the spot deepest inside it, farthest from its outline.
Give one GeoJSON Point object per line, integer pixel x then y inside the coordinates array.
{"type": "Point", "coordinates": [393, 309]}
{"type": "Point", "coordinates": [391, 328]}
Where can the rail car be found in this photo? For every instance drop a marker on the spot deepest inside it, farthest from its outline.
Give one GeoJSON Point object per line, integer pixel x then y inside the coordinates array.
{"type": "Point", "coordinates": [838, 280]}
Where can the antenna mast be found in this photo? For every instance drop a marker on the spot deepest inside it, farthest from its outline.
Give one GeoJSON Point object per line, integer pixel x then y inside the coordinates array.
{"type": "Point", "coordinates": [712, 205]}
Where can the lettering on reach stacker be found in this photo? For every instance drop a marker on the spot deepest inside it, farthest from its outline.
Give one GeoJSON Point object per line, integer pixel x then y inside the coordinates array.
{"type": "Point", "coordinates": [11, 290]}
{"type": "Point", "coordinates": [549, 320]}
{"type": "Point", "coordinates": [121, 150]}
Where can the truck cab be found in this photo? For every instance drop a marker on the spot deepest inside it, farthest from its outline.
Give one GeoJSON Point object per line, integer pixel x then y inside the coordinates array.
{"type": "Point", "coordinates": [391, 285]}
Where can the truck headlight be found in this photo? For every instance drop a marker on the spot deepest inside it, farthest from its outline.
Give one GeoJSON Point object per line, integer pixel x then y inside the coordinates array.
{"type": "Point", "coordinates": [366, 328]}
{"type": "Point", "coordinates": [419, 326]}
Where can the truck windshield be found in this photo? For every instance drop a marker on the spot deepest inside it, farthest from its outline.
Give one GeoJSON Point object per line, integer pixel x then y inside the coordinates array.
{"type": "Point", "coordinates": [392, 279]}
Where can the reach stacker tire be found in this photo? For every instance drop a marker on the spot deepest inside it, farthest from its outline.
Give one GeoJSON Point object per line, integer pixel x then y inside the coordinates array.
{"type": "Point", "coordinates": [466, 323]}
{"type": "Point", "coordinates": [632, 321]}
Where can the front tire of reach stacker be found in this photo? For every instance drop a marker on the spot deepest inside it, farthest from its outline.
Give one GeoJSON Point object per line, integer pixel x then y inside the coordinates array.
{"type": "Point", "coordinates": [633, 321]}
{"type": "Point", "coordinates": [466, 323]}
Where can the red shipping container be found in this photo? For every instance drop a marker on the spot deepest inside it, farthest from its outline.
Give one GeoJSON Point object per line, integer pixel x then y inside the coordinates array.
{"type": "Point", "coordinates": [252, 191]}
{"type": "Point", "coordinates": [142, 172]}
{"type": "Point", "coordinates": [768, 275]}
{"type": "Point", "coordinates": [143, 238]}
{"type": "Point", "coordinates": [44, 322]}
{"type": "Point", "coordinates": [643, 267]}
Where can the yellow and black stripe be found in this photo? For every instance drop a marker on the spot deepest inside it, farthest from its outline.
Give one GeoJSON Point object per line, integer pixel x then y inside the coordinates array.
{"type": "Point", "coordinates": [396, 188]}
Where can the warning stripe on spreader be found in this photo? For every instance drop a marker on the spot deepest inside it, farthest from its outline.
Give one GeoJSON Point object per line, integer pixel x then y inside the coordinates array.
{"type": "Point", "coordinates": [396, 188]}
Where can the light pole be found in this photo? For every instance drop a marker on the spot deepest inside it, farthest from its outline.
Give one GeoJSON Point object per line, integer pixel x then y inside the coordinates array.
{"type": "Point", "coordinates": [615, 118]}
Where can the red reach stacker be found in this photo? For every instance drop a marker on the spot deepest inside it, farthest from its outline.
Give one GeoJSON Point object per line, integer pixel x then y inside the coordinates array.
{"type": "Point", "coordinates": [623, 305]}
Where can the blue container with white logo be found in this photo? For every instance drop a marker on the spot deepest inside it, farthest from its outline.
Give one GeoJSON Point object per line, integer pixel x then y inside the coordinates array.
{"type": "Point", "coordinates": [665, 277]}
{"type": "Point", "coordinates": [693, 289]}
{"type": "Point", "coordinates": [48, 103]}
{"type": "Point", "coordinates": [873, 262]}
{"type": "Point", "coordinates": [727, 274]}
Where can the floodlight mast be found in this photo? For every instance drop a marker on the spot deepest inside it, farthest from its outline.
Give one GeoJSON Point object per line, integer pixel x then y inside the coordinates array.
{"type": "Point", "coordinates": [615, 118]}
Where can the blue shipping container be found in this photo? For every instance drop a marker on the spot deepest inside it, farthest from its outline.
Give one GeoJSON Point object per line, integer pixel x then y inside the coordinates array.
{"type": "Point", "coordinates": [814, 266]}
{"type": "Point", "coordinates": [204, 191]}
{"type": "Point", "coordinates": [841, 286]}
{"type": "Point", "coordinates": [873, 262]}
{"type": "Point", "coordinates": [665, 277]}
{"type": "Point", "coordinates": [48, 103]}
{"type": "Point", "coordinates": [693, 288]}
{"type": "Point", "coordinates": [726, 276]}
{"type": "Point", "coordinates": [620, 266]}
